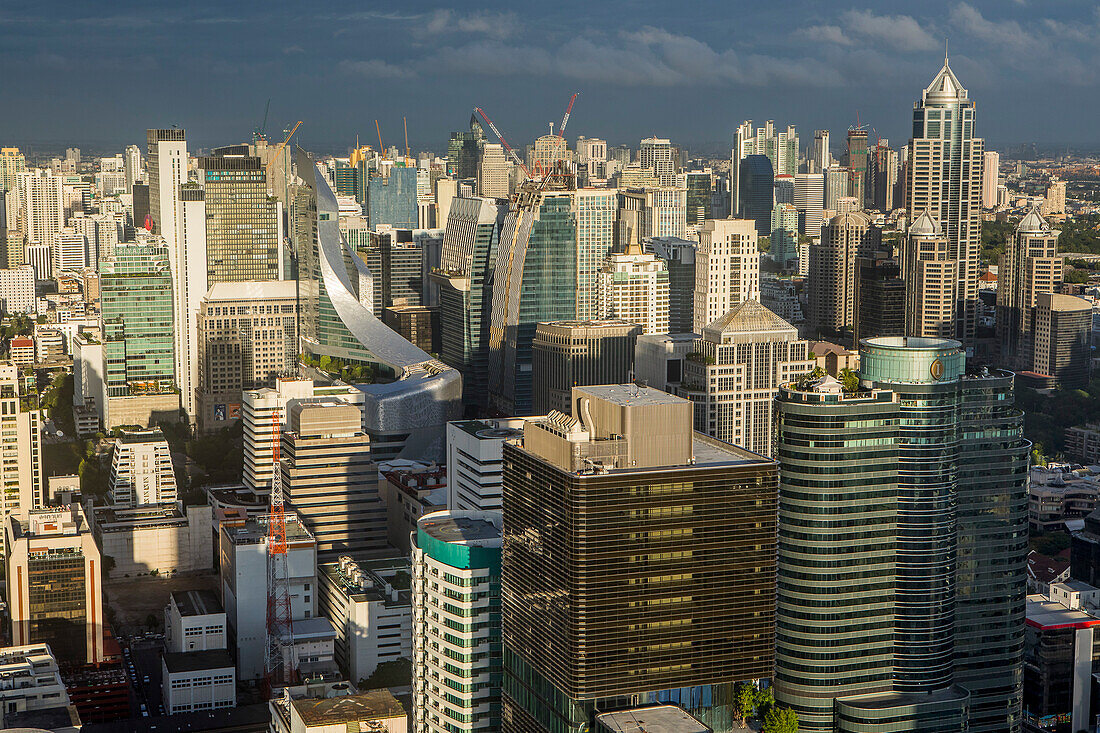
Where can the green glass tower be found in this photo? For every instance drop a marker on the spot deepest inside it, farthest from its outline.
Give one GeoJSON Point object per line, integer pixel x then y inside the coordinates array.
{"type": "Point", "coordinates": [136, 297]}
{"type": "Point", "coordinates": [902, 545]}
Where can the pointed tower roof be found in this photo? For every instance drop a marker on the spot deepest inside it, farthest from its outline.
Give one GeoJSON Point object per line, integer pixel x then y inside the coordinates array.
{"type": "Point", "coordinates": [925, 225]}
{"type": "Point", "coordinates": [946, 87]}
{"type": "Point", "coordinates": [747, 317]}
{"type": "Point", "coordinates": [1033, 222]}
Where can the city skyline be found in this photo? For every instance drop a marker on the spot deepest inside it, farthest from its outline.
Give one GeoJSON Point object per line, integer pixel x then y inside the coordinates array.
{"type": "Point", "coordinates": [814, 68]}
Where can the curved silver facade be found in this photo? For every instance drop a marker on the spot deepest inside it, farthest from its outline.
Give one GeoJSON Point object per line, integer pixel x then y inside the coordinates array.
{"type": "Point", "coordinates": [414, 409]}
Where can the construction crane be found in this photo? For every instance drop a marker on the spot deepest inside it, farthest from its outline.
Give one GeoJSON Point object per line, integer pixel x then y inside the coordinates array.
{"type": "Point", "coordinates": [278, 665]}
{"type": "Point", "coordinates": [279, 150]}
{"type": "Point", "coordinates": [561, 136]}
{"type": "Point", "coordinates": [405, 122]}
{"type": "Point", "coordinates": [381, 150]}
{"type": "Point", "coordinates": [503, 142]}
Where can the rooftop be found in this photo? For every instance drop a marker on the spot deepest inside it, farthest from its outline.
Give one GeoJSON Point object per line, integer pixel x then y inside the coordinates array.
{"type": "Point", "coordinates": [747, 317]}
{"type": "Point", "coordinates": [1048, 615]}
{"type": "Point", "coordinates": [660, 719]}
{"type": "Point", "coordinates": [470, 528]}
{"type": "Point", "coordinates": [251, 291]}
{"type": "Point", "coordinates": [486, 429]}
{"type": "Point", "coordinates": [254, 530]}
{"type": "Point", "coordinates": [197, 602]}
{"type": "Point", "coordinates": [177, 662]}
{"type": "Point", "coordinates": [361, 708]}
{"type": "Point", "coordinates": [630, 394]}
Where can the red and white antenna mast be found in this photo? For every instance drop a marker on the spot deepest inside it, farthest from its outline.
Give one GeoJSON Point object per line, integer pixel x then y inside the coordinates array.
{"type": "Point", "coordinates": [278, 669]}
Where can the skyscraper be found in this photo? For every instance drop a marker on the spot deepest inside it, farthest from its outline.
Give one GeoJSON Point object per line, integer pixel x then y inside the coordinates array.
{"type": "Point", "coordinates": [242, 227]}
{"type": "Point", "coordinates": [679, 258]}
{"type": "Point", "coordinates": [610, 514]}
{"type": "Point", "coordinates": [535, 281]}
{"type": "Point", "coordinates": [21, 444]}
{"type": "Point", "coordinates": [463, 150]}
{"type": "Point", "coordinates": [1030, 265]}
{"type": "Point", "coordinates": [945, 179]}
{"type": "Point", "coordinates": [464, 277]}
{"type": "Point", "coordinates": [991, 178]}
{"type": "Point", "coordinates": [569, 354]}
{"type": "Point", "coordinates": [141, 469]}
{"type": "Point", "coordinates": [879, 296]}
{"type": "Point", "coordinates": [167, 163]}
{"type": "Point", "coordinates": [736, 368]}
{"type": "Point", "coordinates": [1063, 339]}
{"type": "Point", "coordinates": [595, 211]}
{"type": "Point", "coordinates": [820, 156]}
{"type": "Point", "coordinates": [456, 573]}
{"type": "Point", "coordinates": [12, 163]}
{"type": "Point", "coordinates": [857, 163]}
{"type": "Point", "coordinates": [43, 207]}
{"type": "Point", "coordinates": [727, 269]}
{"type": "Point", "coordinates": [132, 167]}
{"type": "Point", "coordinates": [836, 187]}
{"type": "Point", "coordinates": [783, 249]}
{"type": "Point", "coordinates": [391, 199]}
{"type": "Point", "coordinates": [633, 286]}
{"type": "Point", "coordinates": [138, 343]}
{"type": "Point", "coordinates": [655, 155]}
{"type": "Point", "coordinates": [909, 609]}
{"type": "Point", "coordinates": [832, 280]}
{"type": "Point", "coordinates": [700, 195]}
{"type": "Point", "coordinates": [882, 176]}
{"type": "Point", "coordinates": [931, 277]}
{"type": "Point", "coordinates": [809, 199]}
{"type": "Point", "coordinates": [757, 187]}
{"type": "Point", "coordinates": [494, 172]}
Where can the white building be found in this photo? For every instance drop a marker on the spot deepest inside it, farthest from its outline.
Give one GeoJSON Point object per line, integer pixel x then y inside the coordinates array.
{"type": "Point", "coordinates": [334, 708]}
{"type": "Point", "coordinates": [155, 538]}
{"type": "Point", "coordinates": [189, 286]}
{"type": "Point", "coordinates": [809, 199]}
{"type": "Point", "coordinates": [141, 469]}
{"type": "Point", "coordinates": [243, 566]}
{"type": "Point", "coordinates": [43, 208]}
{"type": "Point", "coordinates": [456, 627]}
{"type": "Point", "coordinates": [991, 178]}
{"type": "Point", "coordinates": [39, 256]}
{"type": "Point", "coordinates": [194, 621]}
{"type": "Point", "coordinates": [20, 445]}
{"type": "Point", "coordinates": [29, 680]}
{"type": "Point", "coordinates": [494, 172]}
{"type": "Point", "coordinates": [595, 210]}
{"type": "Point", "coordinates": [197, 681]}
{"type": "Point", "coordinates": [659, 359]}
{"type": "Point", "coordinates": [634, 287]}
{"type": "Point", "coordinates": [727, 268]}
{"type": "Point", "coordinates": [475, 450]}
{"type": "Point", "coordinates": [17, 293]}
{"type": "Point", "coordinates": [88, 390]}
{"type": "Point", "coordinates": [372, 618]}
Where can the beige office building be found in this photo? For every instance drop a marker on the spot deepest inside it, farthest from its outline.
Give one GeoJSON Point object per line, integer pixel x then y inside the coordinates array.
{"type": "Point", "coordinates": [931, 277]}
{"type": "Point", "coordinates": [727, 268]}
{"type": "Point", "coordinates": [634, 287]}
{"type": "Point", "coordinates": [20, 445]}
{"type": "Point", "coordinates": [1029, 266]}
{"type": "Point", "coordinates": [568, 354]}
{"type": "Point", "coordinates": [734, 373]}
{"type": "Point", "coordinates": [832, 278]}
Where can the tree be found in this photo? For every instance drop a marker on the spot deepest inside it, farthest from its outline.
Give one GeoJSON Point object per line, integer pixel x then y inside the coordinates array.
{"type": "Point", "coordinates": [780, 720]}
{"type": "Point", "coordinates": [765, 702]}
{"type": "Point", "coordinates": [849, 380]}
{"type": "Point", "coordinates": [746, 700]}
{"type": "Point", "coordinates": [395, 673]}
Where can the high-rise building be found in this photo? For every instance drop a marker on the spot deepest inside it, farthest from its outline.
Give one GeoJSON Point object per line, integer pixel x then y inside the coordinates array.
{"type": "Point", "coordinates": [391, 199]}
{"type": "Point", "coordinates": [463, 150]}
{"type": "Point", "coordinates": [329, 478]}
{"type": "Point", "coordinates": [880, 298]}
{"type": "Point", "coordinates": [858, 181]}
{"type": "Point", "coordinates": [141, 469]}
{"type": "Point", "coordinates": [991, 178]}
{"type": "Point", "coordinates": [69, 250]}
{"type": "Point", "coordinates": [821, 157]}
{"type": "Point", "coordinates": [17, 293]}
{"type": "Point", "coordinates": [569, 354]}
{"type": "Point", "coordinates": [727, 269]}
{"type": "Point", "coordinates": [1063, 339]}
{"type": "Point", "coordinates": [547, 155]}
{"type": "Point", "coordinates": [42, 205]}
{"type": "Point", "coordinates": [21, 445]}
{"type": "Point", "coordinates": [138, 343]}
{"type": "Point", "coordinates": [836, 187]}
{"type": "Point", "coordinates": [679, 258]}
{"type": "Point", "coordinates": [474, 455]}
{"type": "Point", "coordinates": [633, 286]}
{"type": "Point", "coordinates": [12, 163]}
{"type": "Point", "coordinates": [612, 510]}
{"type": "Point", "coordinates": [882, 176]}
{"type": "Point", "coordinates": [242, 220]}
{"type": "Point", "coordinates": [535, 266]}
{"type": "Point", "coordinates": [247, 339]}
{"type": "Point", "coordinates": [1030, 265]}
{"type": "Point", "coordinates": [595, 211]}
{"type": "Point", "coordinates": [783, 249]}
{"type": "Point", "coordinates": [757, 190]}
{"type": "Point", "coordinates": [735, 370]}
{"type": "Point", "coordinates": [944, 178]}
{"type": "Point", "coordinates": [406, 416]}
{"type": "Point", "coordinates": [167, 170]}
{"type": "Point", "coordinates": [258, 411]}
{"type": "Point", "coordinates": [700, 195]}
{"type": "Point", "coordinates": [931, 280]}
{"type": "Point", "coordinates": [54, 591]}
{"type": "Point", "coordinates": [465, 291]}
{"type": "Point", "coordinates": [902, 545]}
{"type": "Point", "coordinates": [809, 199]}
{"type": "Point", "coordinates": [132, 167]}
{"type": "Point", "coordinates": [456, 618]}
{"type": "Point", "coordinates": [494, 172]}
{"type": "Point", "coordinates": [832, 279]}
{"type": "Point", "coordinates": [655, 156]}
{"type": "Point", "coordinates": [1055, 201]}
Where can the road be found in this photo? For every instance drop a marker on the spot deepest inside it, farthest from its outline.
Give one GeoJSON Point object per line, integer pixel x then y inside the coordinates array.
{"type": "Point", "coordinates": [143, 660]}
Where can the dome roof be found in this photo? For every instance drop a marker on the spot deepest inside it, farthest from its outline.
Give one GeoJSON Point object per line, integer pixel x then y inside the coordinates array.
{"type": "Point", "coordinates": [1033, 222]}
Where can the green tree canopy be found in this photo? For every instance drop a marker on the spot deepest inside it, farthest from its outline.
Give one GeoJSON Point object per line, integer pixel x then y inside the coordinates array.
{"type": "Point", "coordinates": [780, 720]}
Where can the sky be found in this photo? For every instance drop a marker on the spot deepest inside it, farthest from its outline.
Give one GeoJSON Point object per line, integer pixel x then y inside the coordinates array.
{"type": "Point", "coordinates": [97, 74]}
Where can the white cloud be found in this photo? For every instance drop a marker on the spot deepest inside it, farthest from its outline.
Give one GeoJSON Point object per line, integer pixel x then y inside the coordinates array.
{"type": "Point", "coordinates": [376, 69]}
{"type": "Point", "coordinates": [824, 34]}
{"type": "Point", "coordinates": [902, 32]}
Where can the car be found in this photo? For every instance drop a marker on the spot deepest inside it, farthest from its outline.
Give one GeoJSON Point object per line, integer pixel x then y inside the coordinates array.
{"type": "Point", "coordinates": [145, 679]}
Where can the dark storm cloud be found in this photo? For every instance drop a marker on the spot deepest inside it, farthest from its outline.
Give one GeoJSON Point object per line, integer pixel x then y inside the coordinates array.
{"type": "Point", "coordinates": [99, 73]}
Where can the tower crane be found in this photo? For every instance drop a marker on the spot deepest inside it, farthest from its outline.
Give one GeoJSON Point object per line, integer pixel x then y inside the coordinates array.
{"type": "Point", "coordinates": [278, 665]}
{"type": "Point", "coordinates": [279, 150]}
{"type": "Point", "coordinates": [503, 142]}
